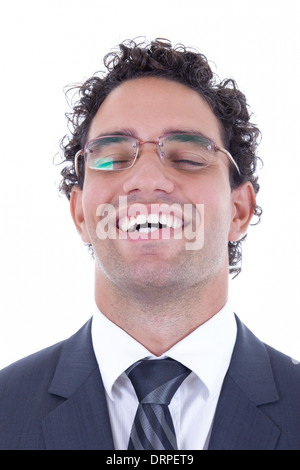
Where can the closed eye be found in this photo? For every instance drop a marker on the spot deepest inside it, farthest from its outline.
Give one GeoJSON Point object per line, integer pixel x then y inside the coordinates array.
{"type": "Point", "coordinates": [190, 162]}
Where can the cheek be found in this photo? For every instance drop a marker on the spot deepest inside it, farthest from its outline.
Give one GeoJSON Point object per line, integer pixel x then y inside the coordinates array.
{"type": "Point", "coordinates": [96, 193]}
{"type": "Point", "coordinates": [215, 195]}
{"type": "Point", "coordinates": [217, 208]}
{"type": "Point", "coordinates": [90, 202]}
{"type": "Point", "coordinates": [101, 188]}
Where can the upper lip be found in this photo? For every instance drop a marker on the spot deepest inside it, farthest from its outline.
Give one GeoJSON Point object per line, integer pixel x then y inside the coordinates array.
{"type": "Point", "coordinates": [171, 215]}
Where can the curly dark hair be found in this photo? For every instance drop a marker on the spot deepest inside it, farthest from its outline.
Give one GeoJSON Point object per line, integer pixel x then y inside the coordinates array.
{"type": "Point", "coordinates": [158, 58]}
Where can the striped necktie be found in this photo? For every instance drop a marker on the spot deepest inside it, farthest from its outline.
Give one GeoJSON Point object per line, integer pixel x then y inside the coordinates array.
{"type": "Point", "coordinates": [155, 382]}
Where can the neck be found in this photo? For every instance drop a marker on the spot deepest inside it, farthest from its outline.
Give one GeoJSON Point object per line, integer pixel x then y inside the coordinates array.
{"type": "Point", "coordinates": [160, 319]}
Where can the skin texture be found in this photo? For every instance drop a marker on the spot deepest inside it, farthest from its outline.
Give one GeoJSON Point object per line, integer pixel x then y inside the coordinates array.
{"type": "Point", "coordinates": [156, 290]}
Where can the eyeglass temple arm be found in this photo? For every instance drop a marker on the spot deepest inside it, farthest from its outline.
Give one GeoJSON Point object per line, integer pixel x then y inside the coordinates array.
{"type": "Point", "coordinates": [231, 159]}
{"type": "Point", "coordinates": [78, 154]}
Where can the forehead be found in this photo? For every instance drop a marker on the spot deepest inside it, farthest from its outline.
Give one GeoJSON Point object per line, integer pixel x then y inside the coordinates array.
{"type": "Point", "coordinates": [152, 106]}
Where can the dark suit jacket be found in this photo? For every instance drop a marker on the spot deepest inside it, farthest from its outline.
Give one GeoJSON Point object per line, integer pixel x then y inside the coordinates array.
{"type": "Point", "coordinates": [55, 399]}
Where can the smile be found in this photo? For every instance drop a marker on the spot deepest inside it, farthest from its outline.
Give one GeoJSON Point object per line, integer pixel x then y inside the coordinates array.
{"type": "Point", "coordinates": [151, 222]}
{"type": "Point", "coordinates": [144, 223]}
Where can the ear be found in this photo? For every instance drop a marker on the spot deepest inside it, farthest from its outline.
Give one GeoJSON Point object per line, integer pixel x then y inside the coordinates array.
{"type": "Point", "coordinates": [77, 213]}
{"type": "Point", "coordinates": [243, 206]}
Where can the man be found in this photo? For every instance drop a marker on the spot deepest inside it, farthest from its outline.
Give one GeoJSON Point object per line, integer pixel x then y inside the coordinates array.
{"type": "Point", "coordinates": [160, 173]}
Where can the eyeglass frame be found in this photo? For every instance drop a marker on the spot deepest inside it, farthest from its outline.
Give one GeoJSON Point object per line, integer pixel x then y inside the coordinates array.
{"type": "Point", "coordinates": [215, 148]}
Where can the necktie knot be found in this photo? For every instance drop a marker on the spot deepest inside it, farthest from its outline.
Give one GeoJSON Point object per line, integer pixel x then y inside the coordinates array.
{"type": "Point", "coordinates": [156, 381]}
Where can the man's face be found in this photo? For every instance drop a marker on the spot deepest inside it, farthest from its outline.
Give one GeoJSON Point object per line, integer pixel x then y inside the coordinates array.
{"type": "Point", "coordinates": [148, 108]}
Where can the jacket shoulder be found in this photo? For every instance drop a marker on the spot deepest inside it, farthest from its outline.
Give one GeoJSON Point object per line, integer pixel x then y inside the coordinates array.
{"type": "Point", "coordinates": [32, 388]}
{"type": "Point", "coordinates": [286, 371]}
{"type": "Point", "coordinates": [24, 397]}
{"type": "Point", "coordinates": [25, 368]}
{"type": "Point", "coordinates": [285, 410]}
{"type": "Point", "coordinates": [253, 350]}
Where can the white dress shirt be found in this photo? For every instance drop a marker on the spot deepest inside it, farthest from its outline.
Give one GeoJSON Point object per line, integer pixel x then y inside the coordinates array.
{"type": "Point", "coordinates": [206, 351]}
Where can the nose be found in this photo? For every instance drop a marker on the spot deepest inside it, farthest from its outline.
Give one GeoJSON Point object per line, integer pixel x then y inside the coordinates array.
{"type": "Point", "coordinates": [148, 175]}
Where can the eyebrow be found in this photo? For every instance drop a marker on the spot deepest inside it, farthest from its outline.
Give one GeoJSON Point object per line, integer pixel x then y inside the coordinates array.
{"type": "Point", "coordinates": [122, 131]}
{"type": "Point", "coordinates": [130, 132]}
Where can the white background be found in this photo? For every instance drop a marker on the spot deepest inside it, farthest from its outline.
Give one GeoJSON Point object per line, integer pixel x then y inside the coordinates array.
{"type": "Point", "coordinates": [46, 273]}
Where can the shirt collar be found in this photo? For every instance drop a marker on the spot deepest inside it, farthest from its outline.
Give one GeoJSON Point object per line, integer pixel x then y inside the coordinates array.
{"type": "Point", "coordinates": [206, 351]}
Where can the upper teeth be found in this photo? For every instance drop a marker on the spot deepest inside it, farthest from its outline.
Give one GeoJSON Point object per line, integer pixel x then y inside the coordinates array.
{"type": "Point", "coordinates": [130, 223]}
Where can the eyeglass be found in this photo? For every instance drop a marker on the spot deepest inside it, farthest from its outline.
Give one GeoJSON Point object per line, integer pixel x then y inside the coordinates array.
{"type": "Point", "coordinates": [185, 152]}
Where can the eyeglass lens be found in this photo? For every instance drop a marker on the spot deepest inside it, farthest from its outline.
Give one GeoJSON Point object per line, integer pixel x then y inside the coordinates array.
{"type": "Point", "coordinates": [181, 151]}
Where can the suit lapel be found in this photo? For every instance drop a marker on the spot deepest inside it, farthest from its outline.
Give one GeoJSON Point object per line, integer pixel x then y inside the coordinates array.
{"type": "Point", "coordinates": [240, 421]}
{"type": "Point", "coordinates": [81, 421]}
{"type": "Point", "coordinates": [239, 424]}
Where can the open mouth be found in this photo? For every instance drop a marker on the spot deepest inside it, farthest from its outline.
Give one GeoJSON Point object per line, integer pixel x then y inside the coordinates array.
{"type": "Point", "coordinates": [152, 222]}
{"type": "Point", "coordinates": [143, 223]}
